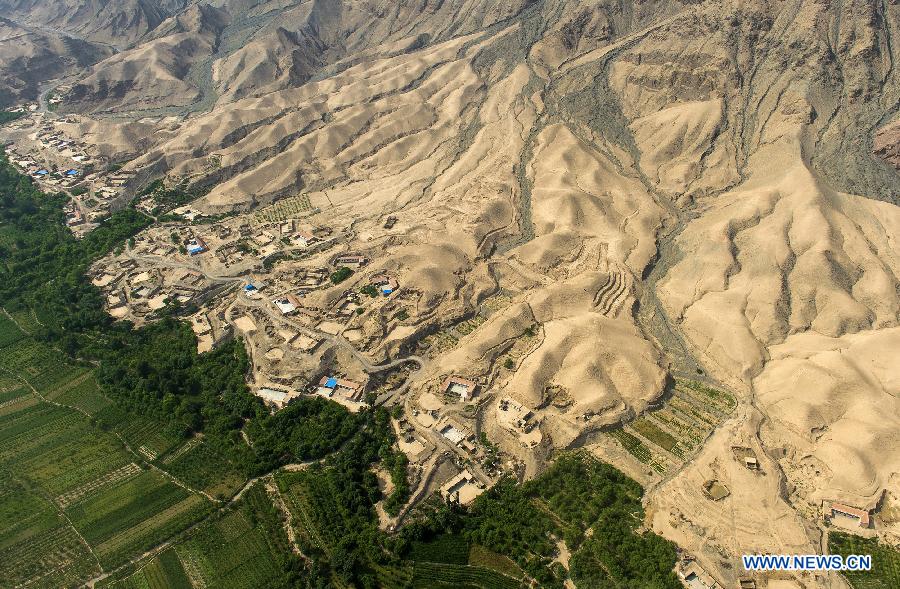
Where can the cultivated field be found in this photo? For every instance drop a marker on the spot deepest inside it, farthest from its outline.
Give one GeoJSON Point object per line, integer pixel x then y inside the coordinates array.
{"type": "Point", "coordinates": [667, 437]}
{"type": "Point", "coordinates": [244, 547]}
{"type": "Point", "coordinates": [292, 207]}
{"type": "Point", "coordinates": [76, 499]}
{"type": "Point", "coordinates": [885, 571]}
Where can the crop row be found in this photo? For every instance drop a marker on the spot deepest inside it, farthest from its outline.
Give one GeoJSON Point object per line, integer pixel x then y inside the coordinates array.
{"type": "Point", "coordinates": [9, 333]}
{"type": "Point", "coordinates": [284, 209]}
{"type": "Point", "coordinates": [232, 551]}
{"type": "Point", "coordinates": [56, 448]}
{"type": "Point", "coordinates": [431, 575]}
{"type": "Point", "coordinates": [725, 402]}
{"type": "Point", "coordinates": [151, 530]}
{"type": "Point", "coordinates": [86, 396]}
{"type": "Point", "coordinates": [632, 444]}
{"type": "Point", "coordinates": [202, 467]}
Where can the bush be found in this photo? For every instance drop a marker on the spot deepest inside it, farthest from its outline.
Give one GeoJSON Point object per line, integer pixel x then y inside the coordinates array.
{"type": "Point", "coordinates": [341, 274]}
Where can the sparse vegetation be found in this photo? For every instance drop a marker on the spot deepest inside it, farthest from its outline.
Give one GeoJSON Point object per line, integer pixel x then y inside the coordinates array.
{"type": "Point", "coordinates": [291, 207]}
{"type": "Point", "coordinates": [167, 199]}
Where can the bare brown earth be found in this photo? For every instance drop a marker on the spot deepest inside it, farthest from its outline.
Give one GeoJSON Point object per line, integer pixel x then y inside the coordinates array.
{"type": "Point", "coordinates": [657, 188]}
{"type": "Point", "coordinates": [153, 73]}
{"type": "Point", "coordinates": [29, 56]}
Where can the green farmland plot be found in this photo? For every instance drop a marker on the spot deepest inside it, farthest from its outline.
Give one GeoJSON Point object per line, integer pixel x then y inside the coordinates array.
{"type": "Point", "coordinates": [36, 543]}
{"type": "Point", "coordinates": [885, 571]}
{"type": "Point", "coordinates": [434, 575]}
{"type": "Point", "coordinates": [244, 546]}
{"type": "Point", "coordinates": [77, 470]}
{"type": "Point", "coordinates": [9, 332]}
{"type": "Point", "coordinates": [56, 449]}
{"type": "Point", "coordinates": [450, 561]}
{"type": "Point", "coordinates": [84, 394]}
{"type": "Point", "coordinates": [247, 547]}
{"type": "Point", "coordinates": [135, 515]}
{"type": "Point", "coordinates": [203, 468]}
{"type": "Point", "coordinates": [11, 391]}
{"type": "Point", "coordinates": [163, 572]}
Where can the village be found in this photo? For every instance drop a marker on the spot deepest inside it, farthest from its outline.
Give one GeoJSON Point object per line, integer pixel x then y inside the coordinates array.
{"type": "Point", "coordinates": [320, 317]}
{"type": "Point", "coordinates": [58, 163]}
{"type": "Point", "coordinates": [300, 300]}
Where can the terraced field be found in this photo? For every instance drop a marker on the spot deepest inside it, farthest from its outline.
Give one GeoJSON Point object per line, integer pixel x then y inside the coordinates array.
{"type": "Point", "coordinates": [292, 207]}
{"type": "Point", "coordinates": [666, 437]}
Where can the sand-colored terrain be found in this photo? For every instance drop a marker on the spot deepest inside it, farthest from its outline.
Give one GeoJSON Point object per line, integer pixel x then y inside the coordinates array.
{"type": "Point", "coordinates": [581, 203]}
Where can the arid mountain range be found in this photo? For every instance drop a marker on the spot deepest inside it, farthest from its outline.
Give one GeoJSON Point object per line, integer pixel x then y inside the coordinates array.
{"type": "Point", "coordinates": [664, 189]}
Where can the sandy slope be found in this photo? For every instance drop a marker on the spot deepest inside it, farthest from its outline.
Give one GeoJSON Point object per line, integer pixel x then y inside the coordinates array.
{"type": "Point", "coordinates": [29, 56]}
{"type": "Point", "coordinates": [568, 154]}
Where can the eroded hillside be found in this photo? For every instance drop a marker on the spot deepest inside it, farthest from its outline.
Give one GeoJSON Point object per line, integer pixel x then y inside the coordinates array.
{"type": "Point", "coordinates": [657, 190]}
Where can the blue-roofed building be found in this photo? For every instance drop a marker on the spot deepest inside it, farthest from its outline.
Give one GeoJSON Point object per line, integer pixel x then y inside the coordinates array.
{"type": "Point", "coordinates": [329, 385]}
{"type": "Point", "coordinates": [196, 246]}
{"type": "Point", "coordinates": [71, 173]}
{"type": "Point", "coordinates": [249, 288]}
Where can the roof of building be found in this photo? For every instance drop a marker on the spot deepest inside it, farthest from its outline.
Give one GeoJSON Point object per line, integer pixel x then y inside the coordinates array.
{"type": "Point", "coordinates": [458, 380]}
{"type": "Point", "coordinates": [862, 514]}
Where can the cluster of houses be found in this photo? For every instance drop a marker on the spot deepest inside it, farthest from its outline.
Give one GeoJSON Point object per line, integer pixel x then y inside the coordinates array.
{"type": "Point", "coordinates": [46, 174]}
{"type": "Point", "coordinates": [263, 241]}
{"type": "Point", "coordinates": [138, 292]}
{"type": "Point", "coordinates": [23, 108]}
{"type": "Point", "coordinates": [92, 191]}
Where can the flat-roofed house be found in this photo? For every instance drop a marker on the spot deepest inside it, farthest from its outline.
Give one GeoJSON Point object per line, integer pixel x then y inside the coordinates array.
{"type": "Point", "coordinates": [285, 305]}
{"type": "Point", "coordinates": [462, 489]}
{"type": "Point", "coordinates": [329, 385]}
{"type": "Point", "coordinates": [458, 385]}
{"type": "Point", "coordinates": [351, 260]}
